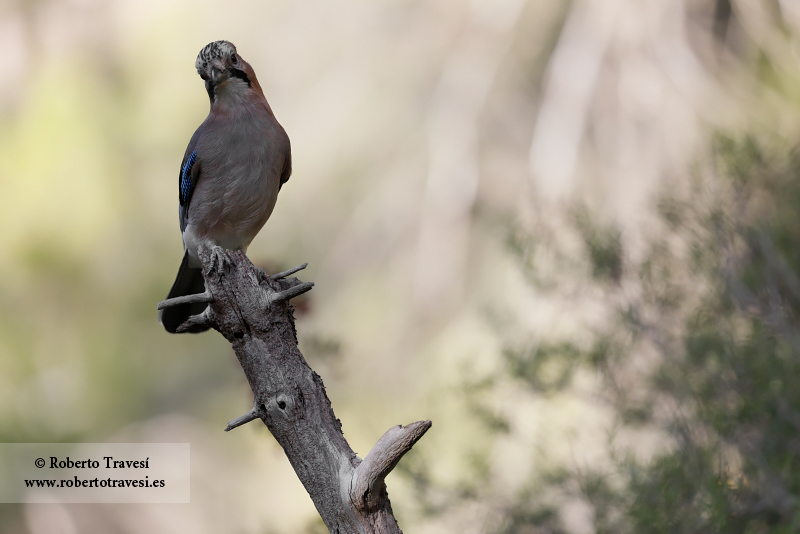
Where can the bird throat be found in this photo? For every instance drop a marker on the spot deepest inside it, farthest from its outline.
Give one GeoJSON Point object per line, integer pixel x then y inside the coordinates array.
{"type": "Point", "coordinates": [231, 93]}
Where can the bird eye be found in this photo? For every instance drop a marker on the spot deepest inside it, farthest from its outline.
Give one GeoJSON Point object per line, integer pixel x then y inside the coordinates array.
{"type": "Point", "coordinates": [233, 59]}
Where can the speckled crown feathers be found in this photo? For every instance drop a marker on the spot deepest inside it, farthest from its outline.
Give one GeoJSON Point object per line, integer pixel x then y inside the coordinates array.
{"type": "Point", "coordinates": [213, 51]}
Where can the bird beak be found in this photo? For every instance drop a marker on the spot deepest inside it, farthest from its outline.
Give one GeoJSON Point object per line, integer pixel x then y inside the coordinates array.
{"type": "Point", "coordinates": [219, 76]}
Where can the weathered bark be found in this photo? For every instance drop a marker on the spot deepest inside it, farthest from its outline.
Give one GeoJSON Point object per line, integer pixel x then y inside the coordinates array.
{"type": "Point", "coordinates": [252, 311]}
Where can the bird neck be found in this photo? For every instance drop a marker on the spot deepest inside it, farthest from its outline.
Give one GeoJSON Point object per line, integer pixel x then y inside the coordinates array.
{"type": "Point", "coordinates": [233, 93]}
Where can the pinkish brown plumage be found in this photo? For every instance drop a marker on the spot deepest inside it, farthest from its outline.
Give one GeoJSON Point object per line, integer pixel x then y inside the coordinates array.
{"type": "Point", "coordinates": [233, 168]}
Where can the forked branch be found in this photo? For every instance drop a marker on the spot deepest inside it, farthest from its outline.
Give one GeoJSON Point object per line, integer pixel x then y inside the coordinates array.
{"type": "Point", "coordinates": [252, 311]}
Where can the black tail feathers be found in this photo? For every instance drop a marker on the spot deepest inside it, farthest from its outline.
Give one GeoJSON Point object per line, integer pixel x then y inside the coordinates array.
{"type": "Point", "coordinates": [188, 282]}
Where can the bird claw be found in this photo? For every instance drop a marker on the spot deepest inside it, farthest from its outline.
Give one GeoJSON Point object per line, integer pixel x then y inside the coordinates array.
{"type": "Point", "coordinates": [218, 258]}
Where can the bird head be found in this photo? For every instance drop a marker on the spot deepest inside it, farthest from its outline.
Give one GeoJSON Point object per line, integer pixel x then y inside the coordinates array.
{"type": "Point", "coordinates": [224, 71]}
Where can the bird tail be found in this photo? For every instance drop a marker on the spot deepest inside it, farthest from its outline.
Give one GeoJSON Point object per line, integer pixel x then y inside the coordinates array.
{"type": "Point", "coordinates": [188, 282]}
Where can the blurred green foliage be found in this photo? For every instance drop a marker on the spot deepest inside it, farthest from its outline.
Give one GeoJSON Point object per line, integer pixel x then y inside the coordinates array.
{"type": "Point", "coordinates": [718, 302]}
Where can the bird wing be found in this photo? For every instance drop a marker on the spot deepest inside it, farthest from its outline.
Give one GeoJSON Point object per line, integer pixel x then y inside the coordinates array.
{"type": "Point", "coordinates": [187, 180]}
{"type": "Point", "coordinates": [286, 172]}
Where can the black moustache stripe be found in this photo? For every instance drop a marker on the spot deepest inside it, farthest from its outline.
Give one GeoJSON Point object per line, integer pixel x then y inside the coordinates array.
{"type": "Point", "coordinates": [238, 73]}
{"type": "Point", "coordinates": [210, 90]}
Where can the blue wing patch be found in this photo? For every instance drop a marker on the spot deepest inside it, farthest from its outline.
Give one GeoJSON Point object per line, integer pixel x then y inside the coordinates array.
{"type": "Point", "coordinates": [186, 185]}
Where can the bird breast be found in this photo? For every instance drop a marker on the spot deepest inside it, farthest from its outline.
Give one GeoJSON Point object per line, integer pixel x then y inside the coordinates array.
{"type": "Point", "coordinates": [242, 158]}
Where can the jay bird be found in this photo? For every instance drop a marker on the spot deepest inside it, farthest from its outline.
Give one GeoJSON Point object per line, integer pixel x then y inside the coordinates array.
{"type": "Point", "coordinates": [233, 168]}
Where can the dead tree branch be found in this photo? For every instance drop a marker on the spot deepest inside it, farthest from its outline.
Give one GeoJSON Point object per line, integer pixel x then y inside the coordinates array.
{"type": "Point", "coordinates": [252, 311]}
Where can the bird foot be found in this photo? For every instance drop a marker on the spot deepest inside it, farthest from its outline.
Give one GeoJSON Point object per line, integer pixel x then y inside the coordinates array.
{"type": "Point", "coordinates": [219, 259]}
